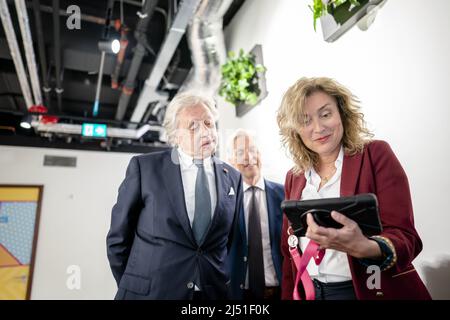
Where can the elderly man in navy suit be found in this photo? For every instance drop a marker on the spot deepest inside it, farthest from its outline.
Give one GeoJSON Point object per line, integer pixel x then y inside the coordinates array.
{"type": "Point", "coordinates": [255, 258]}
{"type": "Point", "coordinates": [171, 225]}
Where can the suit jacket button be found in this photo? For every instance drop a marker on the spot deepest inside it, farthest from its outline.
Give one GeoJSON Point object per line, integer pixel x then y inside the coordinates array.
{"type": "Point", "coordinates": [245, 259]}
{"type": "Point", "coordinates": [190, 285]}
{"type": "Point", "coordinates": [241, 286]}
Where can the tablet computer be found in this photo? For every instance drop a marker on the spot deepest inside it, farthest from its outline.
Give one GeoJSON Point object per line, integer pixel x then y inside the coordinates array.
{"type": "Point", "coordinates": [362, 208]}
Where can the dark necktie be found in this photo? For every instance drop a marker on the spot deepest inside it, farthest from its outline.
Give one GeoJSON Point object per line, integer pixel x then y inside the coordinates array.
{"type": "Point", "coordinates": [202, 211]}
{"type": "Point", "coordinates": [255, 252]}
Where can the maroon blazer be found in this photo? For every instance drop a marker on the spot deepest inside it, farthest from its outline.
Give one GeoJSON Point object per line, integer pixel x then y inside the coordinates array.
{"type": "Point", "coordinates": [375, 170]}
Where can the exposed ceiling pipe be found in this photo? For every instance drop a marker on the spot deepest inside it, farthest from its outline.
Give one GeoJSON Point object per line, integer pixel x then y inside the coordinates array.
{"type": "Point", "coordinates": [99, 84]}
{"type": "Point", "coordinates": [134, 3]}
{"type": "Point", "coordinates": [149, 93]}
{"type": "Point", "coordinates": [15, 52]}
{"type": "Point", "coordinates": [139, 53]}
{"type": "Point", "coordinates": [207, 45]}
{"type": "Point", "coordinates": [27, 40]}
{"type": "Point", "coordinates": [83, 17]}
{"type": "Point", "coordinates": [76, 129]}
{"type": "Point", "coordinates": [42, 55]}
{"type": "Point", "coordinates": [57, 53]}
{"type": "Point", "coordinates": [120, 56]}
{"type": "Point", "coordinates": [105, 36]}
{"type": "Point", "coordinates": [71, 118]}
{"type": "Point", "coordinates": [91, 18]}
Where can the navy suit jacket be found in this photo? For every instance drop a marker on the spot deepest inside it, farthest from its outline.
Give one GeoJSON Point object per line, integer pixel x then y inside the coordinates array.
{"type": "Point", "coordinates": [237, 259]}
{"type": "Point", "coordinates": [151, 247]}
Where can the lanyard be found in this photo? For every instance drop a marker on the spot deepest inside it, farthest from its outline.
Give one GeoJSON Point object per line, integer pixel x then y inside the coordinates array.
{"type": "Point", "coordinates": [312, 251]}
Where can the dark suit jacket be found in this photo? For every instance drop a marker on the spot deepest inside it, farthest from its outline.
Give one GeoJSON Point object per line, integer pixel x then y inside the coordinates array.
{"type": "Point", "coordinates": [375, 170]}
{"type": "Point", "coordinates": [151, 247]}
{"type": "Point", "coordinates": [237, 260]}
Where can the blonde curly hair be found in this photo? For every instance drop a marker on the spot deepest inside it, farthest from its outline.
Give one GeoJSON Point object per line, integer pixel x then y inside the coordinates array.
{"type": "Point", "coordinates": [291, 113]}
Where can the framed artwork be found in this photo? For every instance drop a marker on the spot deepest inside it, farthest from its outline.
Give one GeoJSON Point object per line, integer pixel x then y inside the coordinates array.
{"type": "Point", "coordinates": [20, 207]}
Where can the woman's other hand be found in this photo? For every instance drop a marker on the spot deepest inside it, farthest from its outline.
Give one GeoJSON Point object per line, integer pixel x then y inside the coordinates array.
{"type": "Point", "coordinates": [348, 239]}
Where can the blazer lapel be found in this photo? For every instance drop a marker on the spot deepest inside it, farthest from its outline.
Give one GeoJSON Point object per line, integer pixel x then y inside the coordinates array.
{"type": "Point", "coordinates": [299, 184]}
{"type": "Point", "coordinates": [351, 168]}
{"type": "Point", "coordinates": [174, 187]}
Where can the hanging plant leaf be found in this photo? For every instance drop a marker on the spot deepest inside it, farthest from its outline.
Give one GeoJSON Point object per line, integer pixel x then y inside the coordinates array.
{"type": "Point", "coordinates": [320, 9]}
{"type": "Point", "coordinates": [239, 82]}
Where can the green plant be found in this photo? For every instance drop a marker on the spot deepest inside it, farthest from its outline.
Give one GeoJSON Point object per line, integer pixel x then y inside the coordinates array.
{"type": "Point", "coordinates": [239, 82]}
{"type": "Point", "coordinates": [319, 9]}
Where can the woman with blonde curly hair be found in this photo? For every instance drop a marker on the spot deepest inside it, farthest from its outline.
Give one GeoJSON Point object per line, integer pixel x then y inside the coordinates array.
{"type": "Point", "coordinates": [324, 130]}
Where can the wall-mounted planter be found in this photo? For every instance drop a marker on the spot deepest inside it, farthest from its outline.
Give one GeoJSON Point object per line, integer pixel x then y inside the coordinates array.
{"type": "Point", "coordinates": [340, 19]}
{"type": "Point", "coordinates": [243, 108]}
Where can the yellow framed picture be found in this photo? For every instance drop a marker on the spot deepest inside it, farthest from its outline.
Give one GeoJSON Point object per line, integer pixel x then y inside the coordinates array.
{"type": "Point", "coordinates": [20, 207]}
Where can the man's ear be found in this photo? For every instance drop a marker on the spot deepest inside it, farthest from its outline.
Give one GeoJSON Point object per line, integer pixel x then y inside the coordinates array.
{"type": "Point", "coordinates": [175, 140]}
{"type": "Point", "coordinates": [259, 159]}
{"type": "Point", "coordinates": [232, 161]}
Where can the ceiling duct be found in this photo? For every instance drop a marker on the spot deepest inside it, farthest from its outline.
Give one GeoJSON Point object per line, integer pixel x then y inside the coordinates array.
{"type": "Point", "coordinates": [207, 45]}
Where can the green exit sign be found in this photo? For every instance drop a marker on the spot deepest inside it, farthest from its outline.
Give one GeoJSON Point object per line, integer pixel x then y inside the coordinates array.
{"type": "Point", "coordinates": [93, 130]}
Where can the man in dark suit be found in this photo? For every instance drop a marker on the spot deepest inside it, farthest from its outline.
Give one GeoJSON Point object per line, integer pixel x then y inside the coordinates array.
{"type": "Point", "coordinates": [172, 222]}
{"type": "Point", "coordinates": [255, 258]}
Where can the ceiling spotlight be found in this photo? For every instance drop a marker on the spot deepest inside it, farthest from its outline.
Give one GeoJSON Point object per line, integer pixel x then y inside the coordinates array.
{"type": "Point", "coordinates": [115, 46]}
{"type": "Point", "coordinates": [26, 121]}
{"type": "Point", "coordinates": [109, 46]}
{"type": "Point", "coordinates": [25, 125]}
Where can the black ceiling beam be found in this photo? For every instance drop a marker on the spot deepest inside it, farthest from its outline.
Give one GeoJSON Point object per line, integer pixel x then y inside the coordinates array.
{"type": "Point", "coordinates": [57, 52]}
{"type": "Point", "coordinates": [80, 119]}
{"type": "Point", "coordinates": [41, 50]}
{"type": "Point", "coordinates": [86, 144]}
{"type": "Point", "coordinates": [139, 52]}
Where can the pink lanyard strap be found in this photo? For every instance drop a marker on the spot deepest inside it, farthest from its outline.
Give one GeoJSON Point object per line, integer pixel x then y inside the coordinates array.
{"type": "Point", "coordinates": [301, 262]}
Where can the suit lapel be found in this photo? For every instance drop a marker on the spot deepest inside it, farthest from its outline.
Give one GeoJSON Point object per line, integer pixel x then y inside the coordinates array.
{"type": "Point", "coordinates": [222, 188]}
{"type": "Point", "coordinates": [174, 187]}
{"type": "Point", "coordinates": [351, 168]}
{"type": "Point", "coordinates": [242, 225]}
{"type": "Point", "coordinates": [271, 211]}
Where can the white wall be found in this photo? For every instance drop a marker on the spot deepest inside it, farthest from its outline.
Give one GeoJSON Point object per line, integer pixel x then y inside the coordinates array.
{"type": "Point", "coordinates": [75, 217]}
{"type": "Point", "coordinates": [399, 69]}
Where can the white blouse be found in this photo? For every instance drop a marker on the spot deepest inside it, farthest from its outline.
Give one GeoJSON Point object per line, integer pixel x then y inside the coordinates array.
{"type": "Point", "coordinates": [334, 266]}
